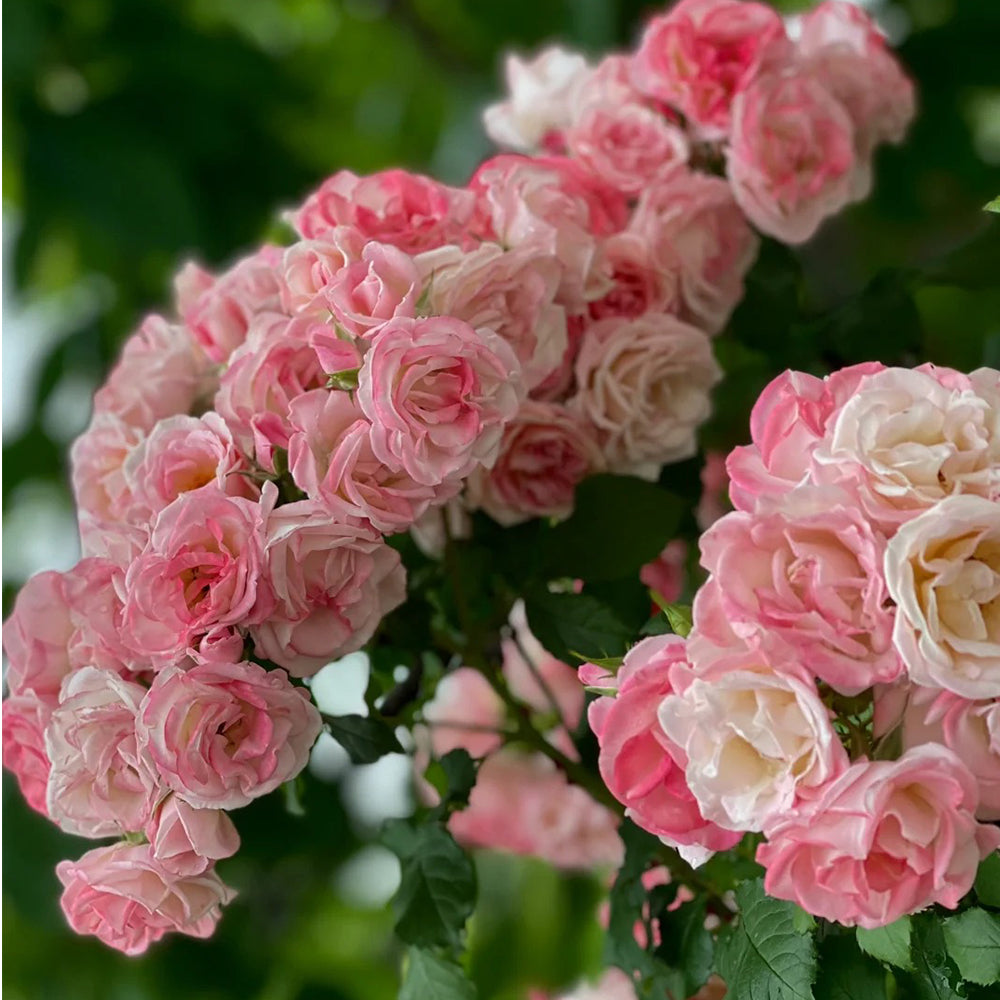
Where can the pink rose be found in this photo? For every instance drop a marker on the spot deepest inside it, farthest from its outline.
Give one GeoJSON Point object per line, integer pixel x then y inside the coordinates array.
{"type": "Point", "coordinates": [545, 452]}
{"type": "Point", "coordinates": [696, 232]}
{"type": "Point", "coordinates": [512, 292]}
{"type": "Point", "coordinates": [626, 145]}
{"type": "Point", "coordinates": [540, 92]}
{"type": "Point", "coordinates": [202, 570]}
{"type": "Point", "coordinates": [943, 571]}
{"type": "Point", "coordinates": [438, 395]}
{"type": "Point", "coordinates": [804, 580]}
{"type": "Point", "coordinates": [465, 712]}
{"type": "Point", "coordinates": [24, 719]}
{"type": "Point", "coordinates": [791, 158]}
{"type": "Point", "coordinates": [309, 267]}
{"type": "Point", "coordinates": [609, 83]}
{"type": "Point", "coordinates": [101, 783]}
{"type": "Point", "coordinates": [637, 282]}
{"type": "Point", "coordinates": [405, 210]}
{"type": "Point", "coordinates": [637, 759]}
{"type": "Point", "coordinates": [843, 48]}
{"type": "Point", "coordinates": [161, 373]}
{"type": "Point", "coordinates": [186, 841]}
{"type": "Point", "coordinates": [645, 386]}
{"type": "Point", "coordinates": [703, 53]}
{"type": "Point", "coordinates": [752, 741]}
{"type": "Point", "coordinates": [332, 582]}
{"type": "Point", "coordinates": [331, 458]}
{"type": "Point", "coordinates": [884, 839]}
{"type": "Point", "coordinates": [274, 366]}
{"type": "Point", "coordinates": [124, 896]}
{"type": "Point", "coordinates": [218, 311]}
{"type": "Point", "coordinates": [665, 573]}
{"type": "Point", "coordinates": [223, 734]}
{"type": "Point", "coordinates": [714, 502]}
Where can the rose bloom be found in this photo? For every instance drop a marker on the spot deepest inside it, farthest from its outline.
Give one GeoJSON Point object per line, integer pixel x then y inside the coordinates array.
{"type": "Point", "coordinates": [101, 783]}
{"type": "Point", "coordinates": [714, 502]}
{"type": "Point", "coordinates": [703, 53]}
{"type": "Point", "coordinates": [884, 839]}
{"type": "Point", "coordinates": [626, 146]}
{"type": "Point", "coordinates": [222, 734]}
{"type": "Point", "coordinates": [906, 439]}
{"type": "Point", "coordinates": [645, 386]}
{"type": "Point", "coordinates": [23, 731]}
{"type": "Point", "coordinates": [545, 452]}
{"type": "Point", "coordinates": [332, 581]}
{"type": "Point", "coordinates": [331, 459]}
{"type": "Point", "coordinates": [540, 91]}
{"type": "Point", "coordinates": [187, 841]}
{"type": "Point", "coordinates": [218, 311]}
{"type": "Point", "coordinates": [124, 896]}
{"type": "Point", "coordinates": [752, 741]}
{"type": "Point", "coordinates": [844, 49]}
{"type": "Point", "coordinates": [512, 292]}
{"type": "Point", "coordinates": [161, 372]}
{"type": "Point", "coordinates": [309, 267]}
{"type": "Point", "coordinates": [696, 232]}
{"type": "Point", "coordinates": [637, 282]}
{"type": "Point", "coordinates": [438, 394]}
{"type": "Point", "coordinates": [608, 83]}
{"type": "Point", "coordinates": [804, 580]}
{"type": "Point", "coordinates": [202, 570]}
{"type": "Point", "coordinates": [637, 760]}
{"type": "Point", "coordinates": [406, 210]}
{"type": "Point", "coordinates": [943, 571]}
{"type": "Point", "coordinates": [665, 573]}
{"type": "Point", "coordinates": [791, 158]}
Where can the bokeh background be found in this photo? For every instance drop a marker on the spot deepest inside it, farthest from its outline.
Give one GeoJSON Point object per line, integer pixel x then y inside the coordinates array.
{"type": "Point", "coordinates": [139, 133]}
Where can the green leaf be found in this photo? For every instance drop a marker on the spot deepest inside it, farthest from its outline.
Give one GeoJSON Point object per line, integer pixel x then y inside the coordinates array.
{"type": "Point", "coordinates": [765, 957]}
{"type": "Point", "coordinates": [580, 623]}
{"type": "Point", "coordinates": [992, 206]}
{"type": "Point", "coordinates": [686, 944]}
{"type": "Point", "coordinates": [973, 942]}
{"type": "Point", "coordinates": [988, 880]}
{"type": "Point", "coordinates": [847, 973]}
{"type": "Point", "coordinates": [679, 617]}
{"type": "Point", "coordinates": [619, 524]}
{"type": "Point", "coordinates": [932, 978]}
{"type": "Point", "coordinates": [365, 739]}
{"type": "Point", "coordinates": [437, 889]}
{"type": "Point", "coordinates": [889, 944]}
{"type": "Point", "coordinates": [429, 977]}
{"type": "Point", "coordinates": [453, 776]}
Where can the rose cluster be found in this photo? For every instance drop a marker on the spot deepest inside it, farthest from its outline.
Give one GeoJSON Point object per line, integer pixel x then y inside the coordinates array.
{"type": "Point", "coordinates": [840, 688]}
{"type": "Point", "coordinates": [791, 113]}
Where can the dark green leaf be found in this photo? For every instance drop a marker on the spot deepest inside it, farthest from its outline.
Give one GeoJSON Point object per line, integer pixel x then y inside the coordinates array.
{"type": "Point", "coordinates": [847, 973]}
{"type": "Point", "coordinates": [988, 880]}
{"type": "Point", "coordinates": [568, 624]}
{"type": "Point", "coordinates": [429, 977]}
{"type": "Point", "coordinates": [686, 944]}
{"type": "Point", "coordinates": [437, 889]}
{"type": "Point", "coordinates": [973, 942]}
{"type": "Point", "coordinates": [933, 977]}
{"type": "Point", "coordinates": [453, 776]}
{"type": "Point", "coordinates": [364, 739]}
{"type": "Point", "coordinates": [889, 944]}
{"type": "Point", "coordinates": [766, 957]}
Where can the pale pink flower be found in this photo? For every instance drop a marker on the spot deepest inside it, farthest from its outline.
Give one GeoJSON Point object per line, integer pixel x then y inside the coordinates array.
{"type": "Point", "coordinates": [637, 282]}
{"type": "Point", "coordinates": [943, 571]}
{"type": "Point", "coordinates": [101, 783]}
{"type": "Point", "coordinates": [695, 231]}
{"type": "Point", "coordinates": [511, 292]}
{"type": "Point", "coordinates": [218, 311]}
{"type": "Point", "coordinates": [124, 896]}
{"type": "Point", "coordinates": [309, 267]}
{"type": "Point", "coordinates": [202, 570]}
{"type": "Point", "coordinates": [24, 720]}
{"type": "Point", "coordinates": [438, 394]}
{"type": "Point", "coordinates": [465, 712]}
{"type": "Point", "coordinates": [186, 841]}
{"type": "Point", "coordinates": [406, 210]}
{"type": "Point", "coordinates": [791, 158]}
{"type": "Point", "coordinates": [645, 386]}
{"type": "Point", "coordinates": [332, 581]}
{"type": "Point", "coordinates": [538, 104]}
{"type": "Point", "coordinates": [665, 573]}
{"type": "Point", "coordinates": [884, 839]}
{"type": "Point", "coordinates": [703, 53]}
{"type": "Point", "coordinates": [161, 372]}
{"type": "Point", "coordinates": [223, 734]}
{"type": "Point", "coordinates": [546, 451]}
{"type": "Point", "coordinates": [608, 83]}
{"type": "Point", "coordinates": [714, 502]}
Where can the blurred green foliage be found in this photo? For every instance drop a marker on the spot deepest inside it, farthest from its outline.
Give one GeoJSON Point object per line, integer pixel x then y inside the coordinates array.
{"type": "Point", "coordinates": [141, 132]}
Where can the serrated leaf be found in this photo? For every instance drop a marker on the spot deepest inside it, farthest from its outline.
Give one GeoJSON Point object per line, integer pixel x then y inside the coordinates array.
{"type": "Point", "coordinates": [437, 888]}
{"type": "Point", "coordinates": [365, 739]}
{"type": "Point", "coordinates": [987, 884]}
{"type": "Point", "coordinates": [889, 944]}
{"type": "Point", "coordinates": [429, 977]}
{"type": "Point", "coordinates": [847, 973]}
{"type": "Point", "coordinates": [973, 942]}
{"type": "Point", "coordinates": [766, 958]}
{"type": "Point", "coordinates": [932, 978]}
{"type": "Point", "coordinates": [563, 623]}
